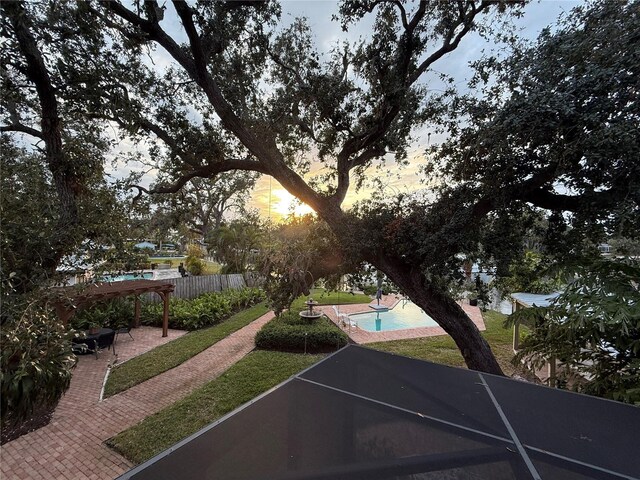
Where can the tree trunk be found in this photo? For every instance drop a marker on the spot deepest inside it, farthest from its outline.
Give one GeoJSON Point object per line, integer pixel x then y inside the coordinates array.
{"type": "Point", "coordinates": [444, 310]}
{"type": "Point", "coordinates": [437, 304]}
{"type": "Point", "coordinates": [66, 182]}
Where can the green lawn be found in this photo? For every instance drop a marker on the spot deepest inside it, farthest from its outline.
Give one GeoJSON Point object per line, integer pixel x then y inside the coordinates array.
{"type": "Point", "coordinates": [443, 350]}
{"type": "Point", "coordinates": [254, 374]}
{"type": "Point", "coordinates": [172, 354]}
{"type": "Point", "coordinates": [324, 297]}
{"type": "Point", "coordinates": [210, 268]}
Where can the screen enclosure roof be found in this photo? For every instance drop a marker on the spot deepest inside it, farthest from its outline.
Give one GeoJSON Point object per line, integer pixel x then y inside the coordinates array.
{"type": "Point", "coordinates": [364, 414]}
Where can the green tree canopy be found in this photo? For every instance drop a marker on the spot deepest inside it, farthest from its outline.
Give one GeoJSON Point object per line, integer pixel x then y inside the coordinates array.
{"type": "Point", "coordinates": [593, 328]}
{"type": "Point", "coordinates": [243, 90]}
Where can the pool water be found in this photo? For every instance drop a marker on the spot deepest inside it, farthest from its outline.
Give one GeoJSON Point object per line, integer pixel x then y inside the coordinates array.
{"type": "Point", "coordinates": [403, 315]}
{"type": "Point", "coordinates": [128, 276]}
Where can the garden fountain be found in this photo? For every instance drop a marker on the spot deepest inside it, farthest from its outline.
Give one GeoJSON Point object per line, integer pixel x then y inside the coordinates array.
{"type": "Point", "coordinates": [310, 314]}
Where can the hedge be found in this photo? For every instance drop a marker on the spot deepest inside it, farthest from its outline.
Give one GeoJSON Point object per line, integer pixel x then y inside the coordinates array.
{"type": "Point", "coordinates": [290, 334]}
{"type": "Point", "coordinates": [203, 311]}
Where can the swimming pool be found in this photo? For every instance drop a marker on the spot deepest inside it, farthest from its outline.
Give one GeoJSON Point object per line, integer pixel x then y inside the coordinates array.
{"type": "Point", "coordinates": [403, 315]}
{"type": "Point", "coordinates": [128, 276]}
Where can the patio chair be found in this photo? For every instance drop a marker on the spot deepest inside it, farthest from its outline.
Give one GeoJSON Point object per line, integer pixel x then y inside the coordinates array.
{"type": "Point", "coordinates": [343, 319]}
{"type": "Point", "coordinates": [124, 330]}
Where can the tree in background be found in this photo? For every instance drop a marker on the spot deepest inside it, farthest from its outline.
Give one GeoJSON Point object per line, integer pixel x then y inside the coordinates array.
{"type": "Point", "coordinates": [237, 243]}
{"type": "Point", "coordinates": [194, 262]}
{"type": "Point", "coordinates": [593, 328]}
{"type": "Point", "coordinates": [202, 203]}
{"type": "Point", "coordinates": [297, 253]}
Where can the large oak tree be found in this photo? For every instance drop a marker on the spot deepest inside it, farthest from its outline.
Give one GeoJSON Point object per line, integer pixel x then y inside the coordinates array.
{"type": "Point", "coordinates": [242, 91]}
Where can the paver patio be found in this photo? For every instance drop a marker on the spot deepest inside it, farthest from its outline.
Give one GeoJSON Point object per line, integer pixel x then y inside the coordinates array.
{"type": "Point", "coordinates": [72, 446]}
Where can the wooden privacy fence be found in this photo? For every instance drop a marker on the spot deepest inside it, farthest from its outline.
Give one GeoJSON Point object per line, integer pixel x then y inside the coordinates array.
{"type": "Point", "coordinates": [191, 287]}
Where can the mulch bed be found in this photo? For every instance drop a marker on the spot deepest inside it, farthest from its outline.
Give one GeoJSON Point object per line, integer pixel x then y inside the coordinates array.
{"type": "Point", "coordinates": [39, 419]}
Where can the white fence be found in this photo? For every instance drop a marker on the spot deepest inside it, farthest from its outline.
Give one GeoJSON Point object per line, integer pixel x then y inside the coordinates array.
{"type": "Point", "coordinates": [190, 287]}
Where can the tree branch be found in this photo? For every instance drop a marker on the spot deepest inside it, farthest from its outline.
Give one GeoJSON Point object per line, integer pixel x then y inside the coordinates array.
{"type": "Point", "coordinates": [186, 16]}
{"type": "Point", "coordinates": [18, 127]}
{"type": "Point", "coordinates": [452, 40]}
{"type": "Point", "coordinates": [572, 203]}
{"type": "Point", "coordinates": [208, 171]}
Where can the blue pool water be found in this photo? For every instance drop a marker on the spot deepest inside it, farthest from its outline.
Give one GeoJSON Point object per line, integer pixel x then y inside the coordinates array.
{"type": "Point", "coordinates": [403, 315]}
{"type": "Point", "coordinates": [128, 276]}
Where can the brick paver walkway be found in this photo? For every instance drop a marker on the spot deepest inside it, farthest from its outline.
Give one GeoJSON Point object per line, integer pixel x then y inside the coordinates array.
{"type": "Point", "coordinates": [362, 336]}
{"type": "Point", "coordinates": [71, 446]}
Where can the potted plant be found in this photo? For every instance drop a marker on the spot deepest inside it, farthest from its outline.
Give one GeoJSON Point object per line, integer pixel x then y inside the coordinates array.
{"type": "Point", "coordinates": [94, 327]}
{"type": "Point", "coordinates": [473, 299]}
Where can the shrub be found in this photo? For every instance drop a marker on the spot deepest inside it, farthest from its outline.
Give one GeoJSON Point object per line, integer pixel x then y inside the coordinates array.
{"type": "Point", "coordinates": [286, 333]}
{"type": "Point", "coordinates": [369, 290]}
{"type": "Point", "coordinates": [114, 313]}
{"type": "Point", "coordinates": [203, 311]}
{"type": "Point", "coordinates": [36, 362]}
{"type": "Point", "coordinates": [195, 266]}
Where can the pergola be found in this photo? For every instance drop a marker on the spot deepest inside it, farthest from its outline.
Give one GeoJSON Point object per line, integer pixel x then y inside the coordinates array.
{"type": "Point", "coordinates": [71, 298]}
{"type": "Point", "coordinates": [527, 300]}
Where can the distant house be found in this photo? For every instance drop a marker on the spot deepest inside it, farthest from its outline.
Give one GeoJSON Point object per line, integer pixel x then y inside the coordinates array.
{"type": "Point", "coordinates": [145, 245]}
{"type": "Point", "coordinates": [168, 247]}
{"type": "Point", "coordinates": [76, 269]}
{"type": "Point", "coordinates": [605, 249]}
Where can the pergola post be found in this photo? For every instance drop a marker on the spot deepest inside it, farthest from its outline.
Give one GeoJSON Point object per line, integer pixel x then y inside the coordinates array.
{"type": "Point", "coordinates": [165, 314]}
{"type": "Point", "coordinates": [516, 329]}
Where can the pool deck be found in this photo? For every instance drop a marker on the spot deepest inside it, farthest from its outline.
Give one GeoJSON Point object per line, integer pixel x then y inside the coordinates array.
{"type": "Point", "coordinates": [361, 336]}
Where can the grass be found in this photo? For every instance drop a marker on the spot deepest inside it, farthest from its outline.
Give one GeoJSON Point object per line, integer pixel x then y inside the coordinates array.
{"type": "Point", "coordinates": [254, 374]}
{"type": "Point", "coordinates": [324, 297]}
{"type": "Point", "coordinates": [210, 268]}
{"type": "Point", "coordinates": [175, 262]}
{"type": "Point", "coordinates": [443, 350]}
{"type": "Point", "coordinates": [172, 354]}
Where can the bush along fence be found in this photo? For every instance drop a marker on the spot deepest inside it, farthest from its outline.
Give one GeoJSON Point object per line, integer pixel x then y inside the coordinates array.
{"type": "Point", "coordinates": [192, 287]}
{"type": "Point", "coordinates": [203, 311]}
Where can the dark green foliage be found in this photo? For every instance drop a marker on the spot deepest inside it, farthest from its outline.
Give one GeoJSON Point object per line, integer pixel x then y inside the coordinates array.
{"type": "Point", "coordinates": [529, 273]}
{"type": "Point", "coordinates": [369, 290]}
{"type": "Point", "coordinates": [291, 333]}
{"type": "Point", "coordinates": [594, 328]}
{"type": "Point", "coordinates": [556, 127]}
{"type": "Point", "coordinates": [36, 362]}
{"type": "Point", "coordinates": [203, 311]}
{"type": "Point", "coordinates": [115, 313]}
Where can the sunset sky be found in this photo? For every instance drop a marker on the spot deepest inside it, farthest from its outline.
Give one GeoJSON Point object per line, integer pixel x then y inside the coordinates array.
{"type": "Point", "coordinates": [537, 16]}
{"type": "Point", "coordinates": [268, 197]}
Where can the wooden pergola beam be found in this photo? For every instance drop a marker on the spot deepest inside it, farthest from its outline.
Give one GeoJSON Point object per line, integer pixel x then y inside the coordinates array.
{"type": "Point", "coordinates": [71, 298]}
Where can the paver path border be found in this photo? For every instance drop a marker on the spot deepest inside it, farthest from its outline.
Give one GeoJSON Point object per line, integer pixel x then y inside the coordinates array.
{"type": "Point", "coordinates": [72, 446]}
